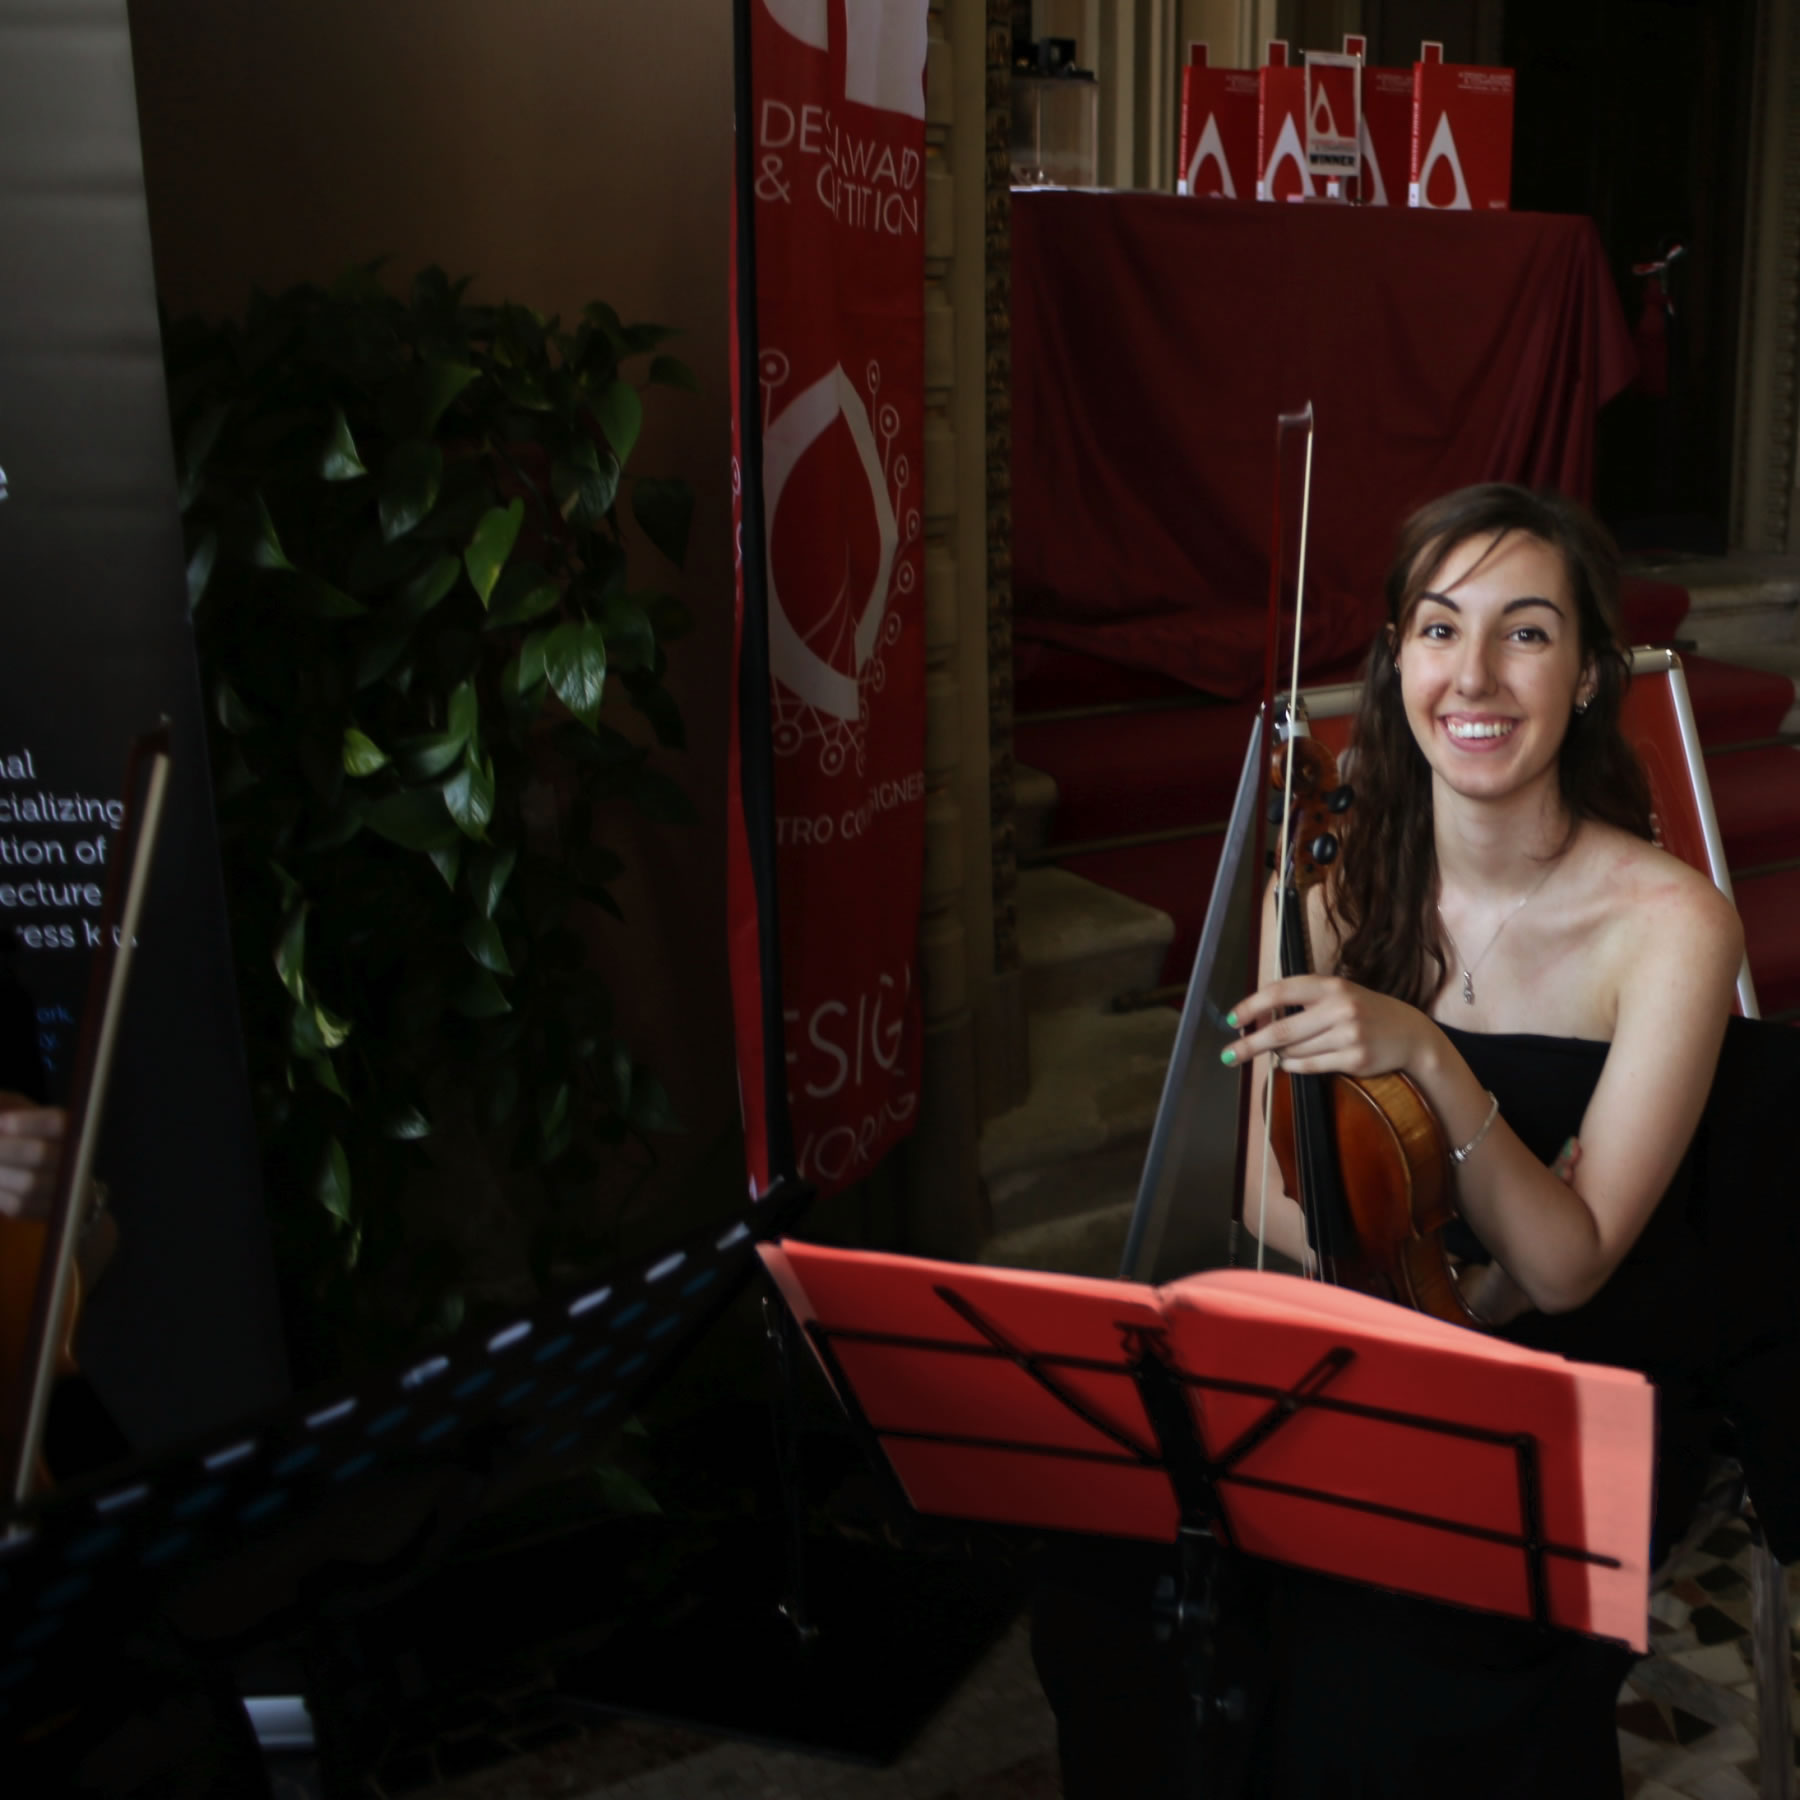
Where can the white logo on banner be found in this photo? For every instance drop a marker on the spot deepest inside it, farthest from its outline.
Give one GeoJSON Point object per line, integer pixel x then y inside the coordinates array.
{"type": "Point", "coordinates": [1443, 149]}
{"type": "Point", "coordinates": [1287, 149]}
{"type": "Point", "coordinates": [1326, 125]}
{"type": "Point", "coordinates": [1375, 195]}
{"type": "Point", "coordinates": [884, 60]}
{"type": "Point", "coordinates": [825, 668]}
{"type": "Point", "coordinates": [1211, 145]}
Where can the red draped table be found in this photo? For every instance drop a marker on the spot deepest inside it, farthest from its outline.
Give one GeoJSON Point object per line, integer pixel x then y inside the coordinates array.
{"type": "Point", "coordinates": [1155, 340]}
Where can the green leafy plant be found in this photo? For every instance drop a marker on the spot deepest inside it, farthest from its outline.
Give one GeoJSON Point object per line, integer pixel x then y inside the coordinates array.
{"type": "Point", "coordinates": [429, 678]}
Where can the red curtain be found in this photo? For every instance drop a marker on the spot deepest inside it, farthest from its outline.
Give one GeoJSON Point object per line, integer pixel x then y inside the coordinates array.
{"type": "Point", "coordinates": [1155, 340]}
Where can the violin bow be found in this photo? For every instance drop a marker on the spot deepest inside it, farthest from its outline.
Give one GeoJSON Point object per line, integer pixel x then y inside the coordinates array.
{"type": "Point", "coordinates": [122, 907]}
{"type": "Point", "coordinates": [1301, 421]}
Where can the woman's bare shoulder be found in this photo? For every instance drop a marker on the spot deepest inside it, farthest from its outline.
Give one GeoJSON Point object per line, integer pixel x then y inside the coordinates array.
{"type": "Point", "coordinates": [1664, 904]}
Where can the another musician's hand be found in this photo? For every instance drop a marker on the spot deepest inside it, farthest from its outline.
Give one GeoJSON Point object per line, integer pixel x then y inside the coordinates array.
{"type": "Point", "coordinates": [1340, 1029]}
{"type": "Point", "coordinates": [30, 1149]}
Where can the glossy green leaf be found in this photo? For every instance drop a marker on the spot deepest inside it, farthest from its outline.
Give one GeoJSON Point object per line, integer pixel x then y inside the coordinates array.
{"type": "Point", "coordinates": [265, 548]}
{"type": "Point", "coordinates": [410, 480]}
{"type": "Point", "coordinates": [290, 952]}
{"type": "Point", "coordinates": [323, 601]}
{"type": "Point", "coordinates": [426, 758]}
{"type": "Point", "coordinates": [664, 511]}
{"type": "Point", "coordinates": [523, 390]}
{"type": "Point", "coordinates": [481, 938]}
{"type": "Point", "coordinates": [200, 568]}
{"type": "Point", "coordinates": [481, 997]}
{"type": "Point", "coordinates": [621, 416]}
{"type": "Point", "coordinates": [671, 371]}
{"type": "Point", "coordinates": [447, 862]}
{"type": "Point", "coordinates": [332, 1029]}
{"type": "Point", "coordinates": [324, 1072]}
{"type": "Point", "coordinates": [651, 1108]}
{"type": "Point", "coordinates": [415, 820]}
{"type": "Point", "coordinates": [464, 710]}
{"type": "Point", "coordinates": [405, 1125]}
{"type": "Point", "coordinates": [630, 640]}
{"type": "Point", "coordinates": [428, 587]}
{"type": "Point", "coordinates": [303, 1034]}
{"type": "Point", "coordinates": [340, 461]}
{"type": "Point", "coordinates": [333, 1189]}
{"type": "Point", "coordinates": [604, 319]}
{"type": "Point", "coordinates": [491, 545]}
{"type": "Point", "coordinates": [443, 381]}
{"type": "Point", "coordinates": [231, 712]}
{"type": "Point", "coordinates": [575, 662]}
{"type": "Point", "coordinates": [488, 873]}
{"type": "Point", "coordinates": [622, 1492]}
{"type": "Point", "coordinates": [197, 449]}
{"type": "Point", "coordinates": [469, 794]}
{"type": "Point", "coordinates": [362, 755]}
{"type": "Point", "coordinates": [381, 646]}
{"type": "Point", "coordinates": [585, 482]}
{"type": "Point", "coordinates": [643, 336]}
{"type": "Point", "coordinates": [519, 602]}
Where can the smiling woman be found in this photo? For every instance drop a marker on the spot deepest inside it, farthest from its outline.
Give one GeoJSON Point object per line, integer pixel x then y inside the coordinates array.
{"type": "Point", "coordinates": [1503, 828]}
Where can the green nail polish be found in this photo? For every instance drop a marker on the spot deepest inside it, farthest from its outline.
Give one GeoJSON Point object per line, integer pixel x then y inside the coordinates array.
{"type": "Point", "coordinates": [1228, 1057]}
{"type": "Point", "coordinates": [1231, 1018]}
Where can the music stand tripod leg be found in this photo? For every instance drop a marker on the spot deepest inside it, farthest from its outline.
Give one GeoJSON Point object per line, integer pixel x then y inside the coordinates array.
{"type": "Point", "coordinates": [1770, 1650]}
{"type": "Point", "coordinates": [784, 1409]}
{"type": "Point", "coordinates": [1188, 1606]}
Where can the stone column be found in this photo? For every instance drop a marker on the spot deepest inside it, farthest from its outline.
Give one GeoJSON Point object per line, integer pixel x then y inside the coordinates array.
{"type": "Point", "coordinates": [1766, 472]}
{"type": "Point", "coordinates": [946, 1213]}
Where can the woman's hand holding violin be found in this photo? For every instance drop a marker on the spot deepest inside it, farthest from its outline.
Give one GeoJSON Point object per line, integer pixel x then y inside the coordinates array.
{"type": "Point", "coordinates": [1340, 1029]}
{"type": "Point", "coordinates": [30, 1148]}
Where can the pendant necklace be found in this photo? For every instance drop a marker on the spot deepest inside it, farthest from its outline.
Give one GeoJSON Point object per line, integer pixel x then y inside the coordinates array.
{"type": "Point", "coordinates": [1469, 968]}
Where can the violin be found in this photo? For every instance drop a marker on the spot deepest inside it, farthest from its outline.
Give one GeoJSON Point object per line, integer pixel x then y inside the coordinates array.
{"type": "Point", "coordinates": [37, 1257]}
{"type": "Point", "coordinates": [1364, 1155]}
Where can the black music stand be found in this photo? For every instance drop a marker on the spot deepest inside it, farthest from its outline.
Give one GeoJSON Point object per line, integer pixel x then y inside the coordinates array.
{"type": "Point", "coordinates": [344, 1497]}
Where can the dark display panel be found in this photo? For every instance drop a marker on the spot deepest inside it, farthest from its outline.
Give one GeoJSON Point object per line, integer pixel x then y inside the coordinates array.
{"type": "Point", "coordinates": [183, 1333]}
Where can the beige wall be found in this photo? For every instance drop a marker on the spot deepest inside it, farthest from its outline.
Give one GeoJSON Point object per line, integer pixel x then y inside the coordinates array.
{"type": "Point", "coordinates": [560, 151]}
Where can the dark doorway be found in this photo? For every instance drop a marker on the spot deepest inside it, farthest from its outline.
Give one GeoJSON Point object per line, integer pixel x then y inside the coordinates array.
{"type": "Point", "coordinates": [1638, 113]}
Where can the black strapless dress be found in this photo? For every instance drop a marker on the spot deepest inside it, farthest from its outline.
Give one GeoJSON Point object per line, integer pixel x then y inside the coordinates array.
{"type": "Point", "coordinates": [1379, 1696]}
{"type": "Point", "coordinates": [1368, 1695]}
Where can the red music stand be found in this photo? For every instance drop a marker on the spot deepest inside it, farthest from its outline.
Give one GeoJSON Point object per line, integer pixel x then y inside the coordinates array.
{"type": "Point", "coordinates": [1281, 1419]}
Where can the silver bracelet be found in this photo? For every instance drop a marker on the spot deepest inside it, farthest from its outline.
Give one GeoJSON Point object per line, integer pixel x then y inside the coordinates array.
{"type": "Point", "coordinates": [1462, 1156]}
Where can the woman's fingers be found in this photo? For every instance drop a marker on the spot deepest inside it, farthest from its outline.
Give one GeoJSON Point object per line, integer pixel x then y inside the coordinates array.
{"type": "Point", "coordinates": [1298, 1037]}
{"type": "Point", "coordinates": [1278, 996]}
{"type": "Point", "coordinates": [30, 1149]}
{"type": "Point", "coordinates": [21, 1119]}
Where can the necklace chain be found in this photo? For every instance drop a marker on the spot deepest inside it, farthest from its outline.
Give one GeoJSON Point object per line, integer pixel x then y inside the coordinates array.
{"type": "Point", "coordinates": [1469, 968]}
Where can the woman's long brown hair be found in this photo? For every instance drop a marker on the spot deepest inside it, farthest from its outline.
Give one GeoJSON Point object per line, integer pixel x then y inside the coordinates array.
{"type": "Point", "coordinates": [1385, 895]}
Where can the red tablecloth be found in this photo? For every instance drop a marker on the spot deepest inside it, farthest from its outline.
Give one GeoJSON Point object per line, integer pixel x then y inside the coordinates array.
{"type": "Point", "coordinates": [1155, 340]}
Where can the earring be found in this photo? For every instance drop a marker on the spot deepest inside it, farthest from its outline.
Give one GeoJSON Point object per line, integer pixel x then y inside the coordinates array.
{"type": "Point", "coordinates": [1581, 706]}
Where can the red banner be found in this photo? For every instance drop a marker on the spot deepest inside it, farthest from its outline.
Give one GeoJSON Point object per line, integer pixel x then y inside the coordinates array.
{"type": "Point", "coordinates": [838, 109]}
